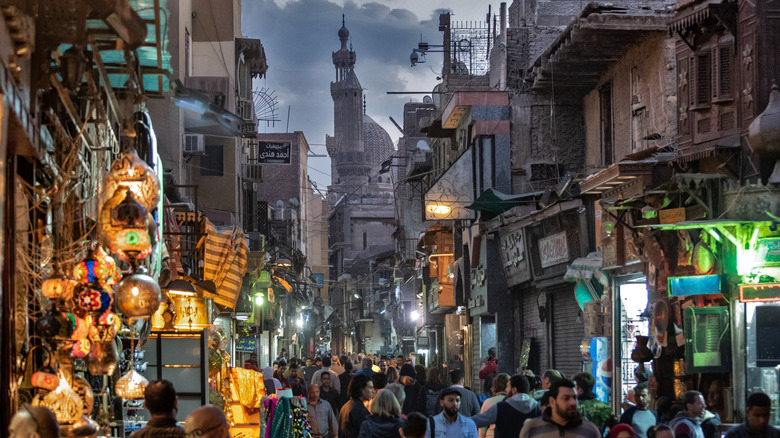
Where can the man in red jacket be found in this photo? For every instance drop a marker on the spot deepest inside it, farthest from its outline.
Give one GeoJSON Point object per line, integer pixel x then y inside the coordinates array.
{"type": "Point", "coordinates": [489, 364]}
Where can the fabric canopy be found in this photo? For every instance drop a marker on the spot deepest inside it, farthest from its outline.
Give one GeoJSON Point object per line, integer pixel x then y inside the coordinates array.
{"type": "Point", "coordinates": [225, 261]}
{"type": "Point", "coordinates": [493, 201]}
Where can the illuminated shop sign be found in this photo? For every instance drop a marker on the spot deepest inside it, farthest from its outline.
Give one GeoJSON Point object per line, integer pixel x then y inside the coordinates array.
{"type": "Point", "coordinates": [759, 292]}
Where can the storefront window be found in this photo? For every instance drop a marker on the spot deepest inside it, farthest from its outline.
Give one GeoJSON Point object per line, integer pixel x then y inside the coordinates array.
{"type": "Point", "coordinates": [633, 302]}
{"type": "Point", "coordinates": [763, 352]}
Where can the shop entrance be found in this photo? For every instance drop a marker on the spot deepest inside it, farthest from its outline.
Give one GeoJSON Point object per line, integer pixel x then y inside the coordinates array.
{"type": "Point", "coordinates": [633, 323]}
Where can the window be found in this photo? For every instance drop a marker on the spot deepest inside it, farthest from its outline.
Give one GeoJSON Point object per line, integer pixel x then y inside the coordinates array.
{"type": "Point", "coordinates": [711, 70]}
{"type": "Point", "coordinates": [607, 148]}
{"type": "Point", "coordinates": [721, 69]}
{"type": "Point", "coordinates": [212, 164]}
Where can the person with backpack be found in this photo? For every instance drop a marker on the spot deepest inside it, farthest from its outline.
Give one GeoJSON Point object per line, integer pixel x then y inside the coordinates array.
{"type": "Point", "coordinates": [509, 415]}
{"type": "Point", "coordinates": [428, 400]}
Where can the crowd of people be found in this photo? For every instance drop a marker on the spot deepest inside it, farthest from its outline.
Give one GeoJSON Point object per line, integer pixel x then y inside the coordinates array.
{"type": "Point", "coordinates": [380, 397]}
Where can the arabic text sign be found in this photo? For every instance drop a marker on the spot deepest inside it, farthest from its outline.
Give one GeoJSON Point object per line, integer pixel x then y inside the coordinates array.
{"type": "Point", "coordinates": [274, 153]}
{"type": "Point", "coordinates": [554, 249]}
{"type": "Point", "coordinates": [247, 345]}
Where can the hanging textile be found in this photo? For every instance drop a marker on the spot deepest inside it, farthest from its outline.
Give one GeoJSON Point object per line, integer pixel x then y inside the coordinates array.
{"type": "Point", "coordinates": [286, 417]}
{"type": "Point", "coordinates": [224, 261]}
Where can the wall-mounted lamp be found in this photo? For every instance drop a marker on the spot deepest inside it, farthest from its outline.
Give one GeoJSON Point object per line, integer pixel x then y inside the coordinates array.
{"type": "Point", "coordinates": [181, 287]}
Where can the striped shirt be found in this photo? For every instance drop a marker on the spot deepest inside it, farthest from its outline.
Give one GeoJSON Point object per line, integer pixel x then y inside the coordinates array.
{"type": "Point", "coordinates": [545, 427]}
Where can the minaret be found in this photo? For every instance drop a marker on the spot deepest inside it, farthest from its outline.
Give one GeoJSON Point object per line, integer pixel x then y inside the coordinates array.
{"type": "Point", "coordinates": [346, 147]}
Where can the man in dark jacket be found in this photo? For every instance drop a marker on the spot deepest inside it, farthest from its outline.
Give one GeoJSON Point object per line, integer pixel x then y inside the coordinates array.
{"type": "Point", "coordinates": [561, 417]}
{"type": "Point", "coordinates": [510, 414]}
{"type": "Point", "coordinates": [344, 379]}
{"type": "Point", "coordinates": [161, 402]}
{"type": "Point", "coordinates": [639, 416]}
{"type": "Point", "coordinates": [757, 415]}
{"type": "Point", "coordinates": [469, 404]}
{"type": "Point", "coordinates": [354, 412]}
{"type": "Point", "coordinates": [411, 388]}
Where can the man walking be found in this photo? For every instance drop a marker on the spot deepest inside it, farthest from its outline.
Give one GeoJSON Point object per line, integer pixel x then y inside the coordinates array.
{"type": "Point", "coordinates": [561, 417]}
{"type": "Point", "coordinates": [687, 423]}
{"type": "Point", "coordinates": [449, 423]}
{"type": "Point", "coordinates": [321, 417]}
{"type": "Point", "coordinates": [161, 402]}
{"type": "Point", "coordinates": [756, 425]}
{"type": "Point", "coordinates": [329, 394]}
{"type": "Point", "coordinates": [344, 379]}
{"type": "Point", "coordinates": [639, 416]}
{"type": "Point", "coordinates": [354, 411]}
{"type": "Point", "coordinates": [327, 369]}
{"type": "Point", "coordinates": [367, 370]}
{"type": "Point", "coordinates": [469, 405]}
{"type": "Point", "coordinates": [510, 414]}
{"type": "Point", "coordinates": [590, 407]}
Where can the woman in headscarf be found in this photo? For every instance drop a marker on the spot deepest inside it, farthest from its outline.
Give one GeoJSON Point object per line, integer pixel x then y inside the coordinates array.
{"type": "Point", "coordinates": [272, 384]}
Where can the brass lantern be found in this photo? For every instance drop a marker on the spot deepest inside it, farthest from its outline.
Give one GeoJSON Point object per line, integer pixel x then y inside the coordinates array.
{"type": "Point", "coordinates": [124, 224]}
{"type": "Point", "coordinates": [58, 286]}
{"type": "Point", "coordinates": [137, 295]}
{"type": "Point", "coordinates": [132, 172]}
{"type": "Point", "coordinates": [131, 386]}
{"type": "Point", "coordinates": [102, 358]}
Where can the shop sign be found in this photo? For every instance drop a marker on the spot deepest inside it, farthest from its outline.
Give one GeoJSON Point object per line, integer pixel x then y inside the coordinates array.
{"type": "Point", "coordinates": [768, 251]}
{"type": "Point", "coordinates": [513, 255]}
{"type": "Point", "coordinates": [319, 280]}
{"type": "Point", "coordinates": [274, 153]}
{"type": "Point", "coordinates": [759, 292]}
{"type": "Point", "coordinates": [554, 250]}
{"type": "Point", "coordinates": [694, 285]}
{"type": "Point", "coordinates": [423, 342]}
{"type": "Point", "coordinates": [247, 345]}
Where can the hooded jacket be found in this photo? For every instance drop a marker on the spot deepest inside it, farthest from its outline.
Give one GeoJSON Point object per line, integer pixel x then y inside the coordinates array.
{"type": "Point", "coordinates": [509, 415]}
{"type": "Point", "coordinates": [380, 427]}
{"type": "Point", "coordinates": [685, 426]}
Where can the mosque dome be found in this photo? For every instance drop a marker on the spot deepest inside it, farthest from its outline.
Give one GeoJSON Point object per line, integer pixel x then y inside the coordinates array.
{"type": "Point", "coordinates": [376, 141]}
{"type": "Point", "coordinates": [343, 32]}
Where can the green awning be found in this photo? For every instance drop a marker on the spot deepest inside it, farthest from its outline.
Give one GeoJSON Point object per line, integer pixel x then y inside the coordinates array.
{"type": "Point", "coordinates": [493, 201]}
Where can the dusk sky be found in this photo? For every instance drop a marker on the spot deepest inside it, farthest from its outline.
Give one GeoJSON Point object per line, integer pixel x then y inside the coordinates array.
{"type": "Point", "coordinates": [299, 37]}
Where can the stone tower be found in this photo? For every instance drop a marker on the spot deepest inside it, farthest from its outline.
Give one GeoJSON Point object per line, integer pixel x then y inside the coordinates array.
{"type": "Point", "coordinates": [350, 163]}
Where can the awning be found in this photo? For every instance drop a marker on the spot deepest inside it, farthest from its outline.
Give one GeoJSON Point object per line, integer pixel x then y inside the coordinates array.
{"type": "Point", "coordinates": [617, 174]}
{"type": "Point", "coordinates": [695, 15]}
{"type": "Point", "coordinates": [225, 261]}
{"type": "Point", "coordinates": [586, 268]}
{"type": "Point", "coordinates": [493, 201]}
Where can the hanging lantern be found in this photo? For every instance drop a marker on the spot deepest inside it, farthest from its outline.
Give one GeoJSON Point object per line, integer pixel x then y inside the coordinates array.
{"type": "Point", "coordinates": [102, 358]}
{"type": "Point", "coordinates": [53, 325]}
{"type": "Point", "coordinates": [63, 402]}
{"type": "Point", "coordinates": [92, 269]}
{"type": "Point", "coordinates": [131, 386]}
{"type": "Point", "coordinates": [132, 172]}
{"type": "Point", "coordinates": [72, 65]}
{"type": "Point", "coordinates": [164, 316]}
{"type": "Point", "coordinates": [125, 226]}
{"type": "Point", "coordinates": [192, 313]}
{"type": "Point", "coordinates": [114, 274]}
{"type": "Point", "coordinates": [79, 326]}
{"type": "Point", "coordinates": [137, 295]}
{"type": "Point", "coordinates": [84, 389]}
{"type": "Point", "coordinates": [81, 348]}
{"type": "Point", "coordinates": [93, 297]}
{"type": "Point", "coordinates": [58, 286]}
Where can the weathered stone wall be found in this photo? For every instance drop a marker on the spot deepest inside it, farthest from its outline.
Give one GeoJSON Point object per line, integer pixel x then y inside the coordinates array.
{"type": "Point", "coordinates": [643, 100]}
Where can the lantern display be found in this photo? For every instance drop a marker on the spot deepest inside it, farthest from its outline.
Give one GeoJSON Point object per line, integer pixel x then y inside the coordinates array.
{"type": "Point", "coordinates": [114, 274]}
{"type": "Point", "coordinates": [131, 386]}
{"type": "Point", "coordinates": [137, 296]}
{"type": "Point", "coordinates": [192, 313]}
{"type": "Point", "coordinates": [93, 297]}
{"type": "Point", "coordinates": [79, 326]}
{"type": "Point", "coordinates": [81, 348]}
{"type": "Point", "coordinates": [132, 172]}
{"type": "Point", "coordinates": [91, 270]}
{"type": "Point", "coordinates": [125, 226]}
{"type": "Point", "coordinates": [84, 389]}
{"type": "Point", "coordinates": [58, 286]}
{"type": "Point", "coordinates": [62, 401]}
{"type": "Point", "coordinates": [102, 358]}
{"type": "Point", "coordinates": [53, 325]}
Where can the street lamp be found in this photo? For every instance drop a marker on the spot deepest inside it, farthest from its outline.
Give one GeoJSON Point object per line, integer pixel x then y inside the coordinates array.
{"type": "Point", "coordinates": [414, 315]}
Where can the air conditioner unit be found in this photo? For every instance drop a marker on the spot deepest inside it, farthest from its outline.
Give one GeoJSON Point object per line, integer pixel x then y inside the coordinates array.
{"type": "Point", "coordinates": [194, 144]}
{"type": "Point", "coordinates": [246, 110]}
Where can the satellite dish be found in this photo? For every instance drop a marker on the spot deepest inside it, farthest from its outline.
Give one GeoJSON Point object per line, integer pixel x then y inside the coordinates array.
{"type": "Point", "coordinates": [279, 203]}
{"type": "Point", "coordinates": [294, 202]}
{"type": "Point", "coordinates": [427, 99]}
{"type": "Point", "coordinates": [422, 145]}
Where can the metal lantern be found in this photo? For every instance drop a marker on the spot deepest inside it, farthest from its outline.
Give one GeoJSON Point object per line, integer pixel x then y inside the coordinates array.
{"type": "Point", "coordinates": [62, 401]}
{"type": "Point", "coordinates": [58, 286]}
{"type": "Point", "coordinates": [131, 386]}
{"type": "Point", "coordinates": [102, 358]}
{"type": "Point", "coordinates": [53, 325]}
{"type": "Point", "coordinates": [137, 296]}
{"type": "Point", "coordinates": [192, 313]}
{"type": "Point", "coordinates": [72, 65]}
{"type": "Point", "coordinates": [132, 172]}
{"type": "Point", "coordinates": [124, 225]}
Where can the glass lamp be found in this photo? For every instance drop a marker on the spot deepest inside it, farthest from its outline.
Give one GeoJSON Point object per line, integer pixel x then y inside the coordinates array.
{"type": "Point", "coordinates": [131, 386]}
{"type": "Point", "coordinates": [58, 286]}
{"type": "Point", "coordinates": [91, 269]}
{"type": "Point", "coordinates": [132, 172]}
{"type": "Point", "coordinates": [124, 226]}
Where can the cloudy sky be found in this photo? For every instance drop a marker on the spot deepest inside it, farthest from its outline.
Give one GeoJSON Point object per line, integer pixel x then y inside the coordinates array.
{"type": "Point", "coordinates": [299, 37]}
